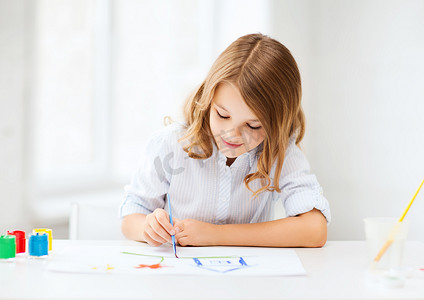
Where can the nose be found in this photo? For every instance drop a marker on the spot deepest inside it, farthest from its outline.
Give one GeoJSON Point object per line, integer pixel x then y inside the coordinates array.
{"type": "Point", "coordinates": [237, 132]}
{"type": "Point", "coordinates": [234, 135]}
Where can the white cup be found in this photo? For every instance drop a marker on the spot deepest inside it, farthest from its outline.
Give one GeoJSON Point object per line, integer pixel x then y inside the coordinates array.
{"type": "Point", "coordinates": [377, 232]}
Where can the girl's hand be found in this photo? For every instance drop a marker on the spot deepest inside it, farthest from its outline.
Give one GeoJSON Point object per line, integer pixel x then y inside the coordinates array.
{"type": "Point", "coordinates": [157, 228]}
{"type": "Point", "coordinates": [191, 232]}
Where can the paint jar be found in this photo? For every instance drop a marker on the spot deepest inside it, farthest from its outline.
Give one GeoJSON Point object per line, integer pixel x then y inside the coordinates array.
{"type": "Point", "coordinates": [38, 245]}
{"type": "Point", "coordinates": [378, 231]}
{"type": "Point", "coordinates": [49, 233]}
{"type": "Point", "coordinates": [20, 240]}
{"type": "Point", "coordinates": [7, 248]}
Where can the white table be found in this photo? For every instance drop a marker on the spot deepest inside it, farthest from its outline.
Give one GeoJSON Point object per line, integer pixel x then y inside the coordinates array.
{"type": "Point", "coordinates": [336, 271]}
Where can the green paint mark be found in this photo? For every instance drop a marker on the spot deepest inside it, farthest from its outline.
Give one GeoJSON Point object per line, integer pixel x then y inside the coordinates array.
{"type": "Point", "coordinates": [185, 257]}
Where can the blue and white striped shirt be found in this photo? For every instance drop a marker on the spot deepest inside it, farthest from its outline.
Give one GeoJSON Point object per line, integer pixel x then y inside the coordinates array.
{"type": "Point", "coordinates": [210, 191]}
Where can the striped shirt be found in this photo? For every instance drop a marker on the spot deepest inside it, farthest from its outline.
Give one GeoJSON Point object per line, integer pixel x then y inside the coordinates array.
{"type": "Point", "coordinates": [210, 191]}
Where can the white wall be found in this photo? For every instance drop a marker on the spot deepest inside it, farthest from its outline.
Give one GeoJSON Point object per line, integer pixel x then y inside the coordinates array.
{"type": "Point", "coordinates": [362, 64]}
{"type": "Point", "coordinates": [156, 65]}
{"type": "Point", "coordinates": [364, 100]}
{"type": "Point", "coordinates": [12, 93]}
{"type": "Point", "coordinates": [83, 83]}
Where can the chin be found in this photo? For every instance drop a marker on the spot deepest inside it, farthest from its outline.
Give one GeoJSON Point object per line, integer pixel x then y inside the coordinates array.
{"type": "Point", "coordinates": [231, 154]}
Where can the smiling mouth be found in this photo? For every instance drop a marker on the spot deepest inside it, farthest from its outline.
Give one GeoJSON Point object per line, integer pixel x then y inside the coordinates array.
{"type": "Point", "coordinates": [230, 145]}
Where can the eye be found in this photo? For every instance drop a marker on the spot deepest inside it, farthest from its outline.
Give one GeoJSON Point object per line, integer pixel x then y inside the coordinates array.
{"type": "Point", "coordinates": [254, 128]}
{"type": "Point", "coordinates": [221, 116]}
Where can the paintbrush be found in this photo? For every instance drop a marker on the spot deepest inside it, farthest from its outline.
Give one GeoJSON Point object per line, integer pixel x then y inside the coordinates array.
{"type": "Point", "coordinates": [172, 223]}
{"type": "Point", "coordinates": [396, 227]}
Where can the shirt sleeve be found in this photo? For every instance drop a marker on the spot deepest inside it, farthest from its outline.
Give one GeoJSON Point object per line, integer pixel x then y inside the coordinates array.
{"type": "Point", "coordinates": [300, 190]}
{"type": "Point", "coordinates": [150, 182]}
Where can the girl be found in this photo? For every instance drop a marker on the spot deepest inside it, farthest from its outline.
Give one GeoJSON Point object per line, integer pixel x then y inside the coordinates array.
{"type": "Point", "coordinates": [235, 156]}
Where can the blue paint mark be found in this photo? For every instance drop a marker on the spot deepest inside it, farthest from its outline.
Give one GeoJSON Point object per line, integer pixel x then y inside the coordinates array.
{"type": "Point", "coordinates": [242, 262]}
{"type": "Point", "coordinates": [197, 261]}
{"type": "Point", "coordinates": [221, 265]}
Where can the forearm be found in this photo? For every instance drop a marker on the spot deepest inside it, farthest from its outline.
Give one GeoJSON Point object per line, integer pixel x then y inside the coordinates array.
{"type": "Point", "coordinates": [306, 230]}
{"type": "Point", "coordinates": [132, 226]}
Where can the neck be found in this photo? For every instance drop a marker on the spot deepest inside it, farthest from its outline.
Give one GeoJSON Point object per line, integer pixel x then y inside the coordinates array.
{"type": "Point", "coordinates": [230, 161]}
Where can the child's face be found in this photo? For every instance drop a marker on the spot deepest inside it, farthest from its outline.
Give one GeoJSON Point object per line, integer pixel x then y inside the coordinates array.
{"type": "Point", "coordinates": [234, 126]}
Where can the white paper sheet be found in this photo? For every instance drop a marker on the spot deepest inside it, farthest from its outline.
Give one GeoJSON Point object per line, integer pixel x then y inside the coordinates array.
{"type": "Point", "coordinates": [193, 261]}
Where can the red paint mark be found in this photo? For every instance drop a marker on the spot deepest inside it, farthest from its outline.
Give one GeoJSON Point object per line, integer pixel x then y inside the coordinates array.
{"type": "Point", "coordinates": [155, 266]}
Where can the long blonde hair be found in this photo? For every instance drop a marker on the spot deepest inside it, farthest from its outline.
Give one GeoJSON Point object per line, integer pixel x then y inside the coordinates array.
{"type": "Point", "coordinates": [268, 79]}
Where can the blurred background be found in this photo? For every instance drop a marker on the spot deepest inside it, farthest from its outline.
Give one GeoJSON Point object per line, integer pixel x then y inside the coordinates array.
{"type": "Point", "coordinates": [84, 82]}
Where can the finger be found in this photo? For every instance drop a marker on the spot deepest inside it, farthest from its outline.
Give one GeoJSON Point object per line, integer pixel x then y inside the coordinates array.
{"type": "Point", "coordinates": [154, 235]}
{"type": "Point", "coordinates": [182, 241]}
{"type": "Point", "coordinates": [178, 226]}
{"type": "Point", "coordinates": [150, 241]}
{"type": "Point", "coordinates": [157, 215]}
{"type": "Point", "coordinates": [180, 235]}
{"type": "Point", "coordinates": [160, 231]}
{"type": "Point", "coordinates": [163, 219]}
{"type": "Point", "coordinates": [157, 229]}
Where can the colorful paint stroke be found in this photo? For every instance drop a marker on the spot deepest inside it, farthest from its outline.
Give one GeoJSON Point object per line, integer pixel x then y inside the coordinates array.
{"type": "Point", "coordinates": [107, 268]}
{"type": "Point", "coordinates": [152, 266]}
{"type": "Point", "coordinates": [221, 265]}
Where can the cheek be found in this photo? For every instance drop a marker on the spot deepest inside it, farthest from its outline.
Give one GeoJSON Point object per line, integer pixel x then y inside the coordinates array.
{"type": "Point", "coordinates": [216, 125]}
{"type": "Point", "coordinates": [212, 125]}
{"type": "Point", "coordinates": [253, 138]}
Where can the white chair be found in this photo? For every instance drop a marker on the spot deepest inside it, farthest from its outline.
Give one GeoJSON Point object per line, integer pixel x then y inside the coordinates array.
{"type": "Point", "coordinates": [95, 219]}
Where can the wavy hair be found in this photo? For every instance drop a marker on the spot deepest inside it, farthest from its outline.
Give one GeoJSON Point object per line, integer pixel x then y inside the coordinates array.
{"type": "Point", "coordinates": [268, 79]}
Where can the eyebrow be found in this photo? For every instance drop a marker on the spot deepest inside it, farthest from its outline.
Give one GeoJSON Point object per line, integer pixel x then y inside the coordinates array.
{"type": "Point", "coordinates": [223, 108]}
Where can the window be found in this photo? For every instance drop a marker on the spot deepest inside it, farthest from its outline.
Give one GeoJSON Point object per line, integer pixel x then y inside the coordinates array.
{"type": "Point", "coordinates": [70, 95]}
{"type": "Point", "coordinates": [105, 73]}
